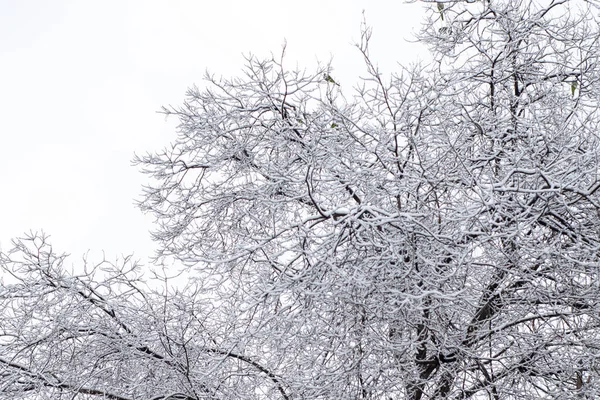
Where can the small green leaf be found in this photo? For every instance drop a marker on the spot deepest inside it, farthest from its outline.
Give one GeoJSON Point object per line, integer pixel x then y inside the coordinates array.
{"type": "Point", "coordinates": [440, 7]}
{"type": "Point", "coordinates": [573, 88]}
{"type": "Point", "coordinates": [329, 79]}
{"type": "Point", "coordinates": [333, 125]}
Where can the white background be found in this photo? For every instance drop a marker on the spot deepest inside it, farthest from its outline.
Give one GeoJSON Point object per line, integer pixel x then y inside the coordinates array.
{"type": "Point", "coordinates": [81, 81]}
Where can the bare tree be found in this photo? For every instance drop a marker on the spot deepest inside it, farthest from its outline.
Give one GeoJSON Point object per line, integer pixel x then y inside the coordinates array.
{"type": "Point", "coordinates": [431, 235]}
{"type": "Point", "coordinates": [106, 332]}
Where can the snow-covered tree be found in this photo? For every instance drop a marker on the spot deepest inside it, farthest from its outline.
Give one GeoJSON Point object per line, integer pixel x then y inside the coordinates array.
{"type": "Point", "coordinates": [432, 234]}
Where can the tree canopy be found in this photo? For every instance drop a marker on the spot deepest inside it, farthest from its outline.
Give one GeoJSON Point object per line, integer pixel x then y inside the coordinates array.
{"type": "Point", "coordinates": [431, 234]}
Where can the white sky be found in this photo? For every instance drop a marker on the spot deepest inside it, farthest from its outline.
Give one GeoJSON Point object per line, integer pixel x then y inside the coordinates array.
{"type": "Point", "coordinates": [81, 81]}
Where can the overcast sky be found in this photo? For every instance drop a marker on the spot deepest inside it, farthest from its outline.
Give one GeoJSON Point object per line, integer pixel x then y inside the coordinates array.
{"type": "Point", "coordinates": [81, 81]}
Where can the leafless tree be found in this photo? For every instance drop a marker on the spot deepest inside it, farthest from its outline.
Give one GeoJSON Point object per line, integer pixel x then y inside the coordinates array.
{"type": "Point", "coordinates": [433, 234]}
{"type": "Point", "coordinates": [106, 332]}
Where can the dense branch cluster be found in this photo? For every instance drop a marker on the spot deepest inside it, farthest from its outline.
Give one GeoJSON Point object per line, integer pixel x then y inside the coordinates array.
{"type": "Point", "coordinates": [432, 235]}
